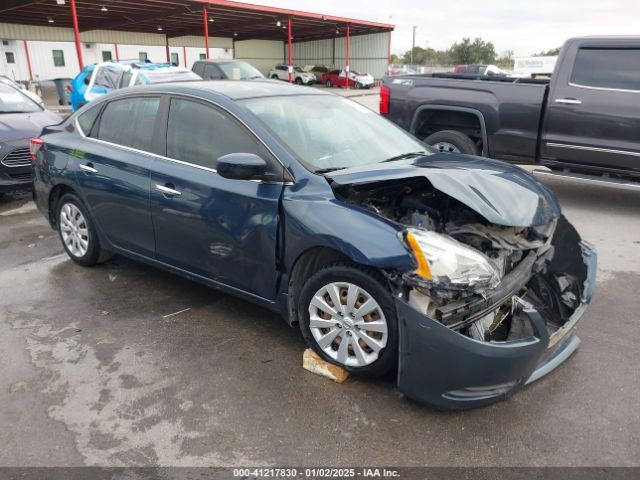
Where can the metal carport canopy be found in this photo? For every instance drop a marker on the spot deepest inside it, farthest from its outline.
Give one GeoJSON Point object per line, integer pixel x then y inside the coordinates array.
{"type": "Point", "coordinates": [176, 18]}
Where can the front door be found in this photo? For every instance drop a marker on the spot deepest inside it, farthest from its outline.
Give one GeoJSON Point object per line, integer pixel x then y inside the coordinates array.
{"type": "Point", "coordinates": [113, 172]}
{"type": "Point", "coordinates": [593, 114]}
{"type": "Point", "coordinates": [221, 229]}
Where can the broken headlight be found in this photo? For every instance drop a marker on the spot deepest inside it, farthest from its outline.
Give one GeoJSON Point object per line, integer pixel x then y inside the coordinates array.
{"type": "Point", "coordinates": [449, 263]}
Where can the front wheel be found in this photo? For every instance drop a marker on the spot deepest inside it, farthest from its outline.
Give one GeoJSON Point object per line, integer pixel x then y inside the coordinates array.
{"type": "Point", "coordinates": [347, 316]}
{"type": "Point", "coordinates": [298, 81]}
{"type": "Point", "coordinates": [77, 232]}
{"type": "Point", "coordinates": [452, 141]}
{"type": "Point", "coordinates": [358, 85]}
{"type": "Point", "coordinates": [275, 77]}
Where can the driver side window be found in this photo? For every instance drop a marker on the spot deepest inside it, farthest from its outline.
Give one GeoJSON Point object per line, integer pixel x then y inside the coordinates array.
{"type": "Point", "coordinates": [199, 134]}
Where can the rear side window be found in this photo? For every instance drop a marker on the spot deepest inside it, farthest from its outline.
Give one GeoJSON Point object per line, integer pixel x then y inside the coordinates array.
{"type": "Point", "coordinates": [211, 72]}
{"type": "Point", "coordinates": [130, 122]}
{"type": "Point", "coordinates": [607, 68]}
{"type": "Point", "coordinates": [200, 134]}
{"type": "Point", "coordinates": [87, 119]}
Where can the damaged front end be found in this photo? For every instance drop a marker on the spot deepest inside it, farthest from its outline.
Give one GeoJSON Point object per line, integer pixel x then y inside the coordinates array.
{"type": "Point", "coordinates": [490, 307]}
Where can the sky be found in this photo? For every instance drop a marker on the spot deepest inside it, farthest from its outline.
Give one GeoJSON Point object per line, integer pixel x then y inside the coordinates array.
{"type": "Point", "coordinates": [526, 27]}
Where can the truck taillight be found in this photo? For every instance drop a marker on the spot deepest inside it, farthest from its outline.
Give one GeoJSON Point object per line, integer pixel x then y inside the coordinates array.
{"type": "Point", "coordinates": [384, 100]}
{"type": "Point", "coordinates": [35, 145]}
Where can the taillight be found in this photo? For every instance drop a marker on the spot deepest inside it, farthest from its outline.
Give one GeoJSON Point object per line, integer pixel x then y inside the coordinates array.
{"type": "Point", "coordinates": [384, 100]}
{"type": "Point", "coordinates": [35, 146]}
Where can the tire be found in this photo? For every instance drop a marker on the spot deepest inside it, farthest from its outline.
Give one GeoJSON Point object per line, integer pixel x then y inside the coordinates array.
{"type": "Point", "coordinates": [358, 86]}
{"type": "Point", "coordinates": [298, 81]}
{"type": "Point", "coordinates": [358, 357]}
{"type": "Point", "coordinates": [275, 77]}
{"type": "Point", "coordinates": [329, 84]}
{"type": "Point", "coordinates": [77, 232]}
{"type": "Point", "coordinates": [452, 141]}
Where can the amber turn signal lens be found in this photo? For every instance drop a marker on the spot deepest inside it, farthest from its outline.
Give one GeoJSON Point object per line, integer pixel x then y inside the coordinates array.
{"type": "Point", "coordinates": [423, 265]}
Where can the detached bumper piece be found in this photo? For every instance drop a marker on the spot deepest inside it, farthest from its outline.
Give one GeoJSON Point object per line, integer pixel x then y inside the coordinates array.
{"type": "Point", "coordinates": [442, 368]}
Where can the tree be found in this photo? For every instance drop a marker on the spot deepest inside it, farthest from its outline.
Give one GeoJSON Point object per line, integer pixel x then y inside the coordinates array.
{"type": "Point", "coordinates": [506, 59]}
{"type": "Point", "coordinates": [395, 60]}
{"type": "Point", "coordinates": [549, 53]}
{"type": "Point", "coordinates": [478, 51]}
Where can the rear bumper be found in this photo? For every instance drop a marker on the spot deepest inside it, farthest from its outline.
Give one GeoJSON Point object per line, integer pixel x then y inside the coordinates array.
{"type": "Point", "coordinates": [442, 368]}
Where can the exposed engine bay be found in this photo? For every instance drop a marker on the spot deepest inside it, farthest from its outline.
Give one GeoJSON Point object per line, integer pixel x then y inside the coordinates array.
{"type": "Point", "coordinates": [538, 265]}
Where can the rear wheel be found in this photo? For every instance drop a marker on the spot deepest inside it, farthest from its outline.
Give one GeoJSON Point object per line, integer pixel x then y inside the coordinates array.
{"type": "Point", "coordinates": [77, 232]}
{"type": "Point", "coordinates": [347, 316]}
{"type": "Point", "coordinates": [452, 141]}
{"type": "Point", "coordinates": [275, 77]}
{"type": "Point", "coordinates": [329, 84]}
{"type": "Point", "coordinates": [298, 81]}
{"type": "Point", "coordinates": [358, 85]}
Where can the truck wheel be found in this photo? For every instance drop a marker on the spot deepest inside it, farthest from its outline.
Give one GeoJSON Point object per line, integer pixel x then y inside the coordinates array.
{"type": "Point", "coordinates": [347, 316]}
{"type": "Point", "coordinates": [329, 84]}
{"type": "Point", "coordinates": [452, 141]}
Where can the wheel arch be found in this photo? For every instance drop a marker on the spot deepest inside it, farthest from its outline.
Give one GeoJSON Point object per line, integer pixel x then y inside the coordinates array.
{"type": "Point", "coordinates": [466, 117]}
{"type": "Point", "coordinates": [54, 196]}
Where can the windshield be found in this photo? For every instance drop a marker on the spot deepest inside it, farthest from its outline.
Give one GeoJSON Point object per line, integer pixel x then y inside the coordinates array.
{"type": "Point", "coordinates": [162, 76]}
{"type": "Point", "coordinates": [330, 132]}
{"type": "Point", "coordinates": [239, 71]}
{"type": "Point", "coordinates": [298, 69]}
{"type": "Point", "coordinates": [13, 100]}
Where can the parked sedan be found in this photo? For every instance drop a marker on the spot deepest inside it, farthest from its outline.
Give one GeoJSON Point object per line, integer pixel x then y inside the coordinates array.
{"type": "Point", "coordinates": [459, 273]}
{"type": "Point", "coordinates": [21, 118]}
{"type": "Point", "coordinates": [354, 80]}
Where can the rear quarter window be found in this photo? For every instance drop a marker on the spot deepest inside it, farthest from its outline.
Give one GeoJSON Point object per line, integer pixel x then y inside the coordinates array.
{"type": "Point", "coordinates": [607, 68]}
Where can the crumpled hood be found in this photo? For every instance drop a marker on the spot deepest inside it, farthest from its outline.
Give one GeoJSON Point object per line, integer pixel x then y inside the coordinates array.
{"type": "Point", "coordinates": [503, 194]}
{"type": "Point", "coordinates": [18, 126]}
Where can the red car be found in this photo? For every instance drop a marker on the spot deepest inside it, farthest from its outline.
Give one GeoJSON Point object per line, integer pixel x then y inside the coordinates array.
{"type": "Point", "coordinates": [339, 78]}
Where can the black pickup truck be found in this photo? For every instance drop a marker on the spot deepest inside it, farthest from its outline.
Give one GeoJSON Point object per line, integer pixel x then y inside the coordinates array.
{"type": "Point", "coordinates": [586, 119]}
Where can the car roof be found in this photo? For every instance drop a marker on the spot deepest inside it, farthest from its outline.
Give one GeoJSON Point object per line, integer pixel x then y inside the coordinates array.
{"type": "Point", "coordinates": [233, 89]}
{"type": "Point", "coordinates": [221, 60]}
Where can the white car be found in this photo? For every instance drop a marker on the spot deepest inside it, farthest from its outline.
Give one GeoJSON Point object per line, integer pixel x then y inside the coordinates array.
{"type": "Point", "coordinates": [281, 72]}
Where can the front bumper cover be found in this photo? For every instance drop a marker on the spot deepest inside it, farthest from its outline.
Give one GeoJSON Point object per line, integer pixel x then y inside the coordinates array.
{"type": "Point", "coordinates": [442, 368]}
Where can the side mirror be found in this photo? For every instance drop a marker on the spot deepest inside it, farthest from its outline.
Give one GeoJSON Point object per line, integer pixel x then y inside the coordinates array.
{"type": "Point", "coordinates": [241, 166]}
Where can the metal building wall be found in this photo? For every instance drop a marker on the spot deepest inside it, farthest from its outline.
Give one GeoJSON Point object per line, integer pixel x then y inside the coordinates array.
{"type": "Point", "coordinates": [262, 54]}
{"type": "Point", "coordinates": [367, 53]}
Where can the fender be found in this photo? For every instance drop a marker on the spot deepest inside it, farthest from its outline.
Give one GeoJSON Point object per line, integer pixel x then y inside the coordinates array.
{"type": "Point", "coordinates": [472, 111]}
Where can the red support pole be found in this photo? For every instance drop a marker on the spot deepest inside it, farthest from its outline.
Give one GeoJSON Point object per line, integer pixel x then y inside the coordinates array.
{"type": "Point", "coordinates": [117, 53]}
{"type": "Point", "coordinates": [347, 59]}
{"type": "Point", "coordinates": [76, 33]}
{"type": "Point", "coordinates": [206, 32]}
{"type": "Point", "coordinates": [26, 51]}
{"type": "Point", "coordinates": [289, 51]}
{"type": "Point", "coordinates": [184, 56]}
{"type": "Point", "coordinates": [167, 50]}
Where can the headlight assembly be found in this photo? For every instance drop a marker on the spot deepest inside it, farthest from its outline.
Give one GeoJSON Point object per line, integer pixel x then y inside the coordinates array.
{"type": "Point", "coordinates": [449, 263]}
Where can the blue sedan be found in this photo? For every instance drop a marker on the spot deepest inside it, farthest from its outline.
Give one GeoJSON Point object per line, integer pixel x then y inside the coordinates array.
{"type": "Point", "coordinates": [457, 273]}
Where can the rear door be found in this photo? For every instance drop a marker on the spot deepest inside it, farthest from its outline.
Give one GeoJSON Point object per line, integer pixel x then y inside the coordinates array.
{"type": "Point", "coordinates": [114, 171]}
{"type": "Point", "coordinates": [593, 114]}
{"type": "Point", "coordinates": [221, 229]}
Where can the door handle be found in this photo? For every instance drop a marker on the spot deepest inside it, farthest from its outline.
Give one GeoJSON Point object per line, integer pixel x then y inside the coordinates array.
{"type": "Point", "coordinates": [88, 168]}
{"type": "Point", "coordinates": [167, 191]}
{"type": "Point", "coordinates": [569, 101]}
